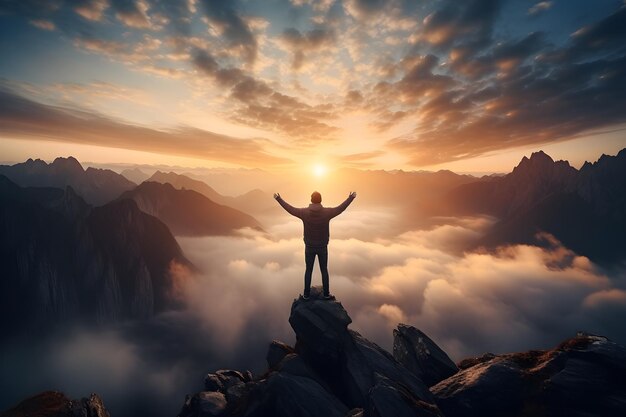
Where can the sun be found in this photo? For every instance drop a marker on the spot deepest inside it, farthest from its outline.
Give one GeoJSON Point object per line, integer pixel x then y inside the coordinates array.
{"type": "Point", "coordinates": [319, 170]}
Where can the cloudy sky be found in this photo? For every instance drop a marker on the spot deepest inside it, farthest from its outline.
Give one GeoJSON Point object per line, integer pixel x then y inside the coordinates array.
{"type": "Point", "coordinates": [470, 85]}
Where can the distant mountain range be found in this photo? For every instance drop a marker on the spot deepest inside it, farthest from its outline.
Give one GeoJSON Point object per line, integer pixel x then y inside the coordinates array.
{"type": "Point", "coordinates": [135, 175]}
{"type": "Point", "coordinates": [255, 202]}
{"type": "Point", "coordinates": [187, 212]}
{"type": "Point", "coordinates": [96, 186]}
{"type": "Point", "coordinates": [585, 209]}
{"type": "Point", "coordinates": [65, 261]}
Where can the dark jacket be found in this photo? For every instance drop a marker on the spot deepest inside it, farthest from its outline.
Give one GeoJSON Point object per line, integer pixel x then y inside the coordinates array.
{"type": "Point", "coordinates": [316, 220]}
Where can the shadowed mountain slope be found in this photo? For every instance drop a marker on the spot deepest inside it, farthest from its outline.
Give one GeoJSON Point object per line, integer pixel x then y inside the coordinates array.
{"type": "Point", "coordinates": [255, 202]}
{"type": "Point", "coordinates": [584, 209]}
{"type": "Point", "coordinates": [187, 212]}
{"type": "Point", "coordinates": [64, 261]}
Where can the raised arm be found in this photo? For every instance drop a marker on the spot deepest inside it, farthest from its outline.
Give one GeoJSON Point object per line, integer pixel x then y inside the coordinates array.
{"type": "Point", "coordinates": [288, 207]}
{"type": "Point", "coordinates": [336, 211]}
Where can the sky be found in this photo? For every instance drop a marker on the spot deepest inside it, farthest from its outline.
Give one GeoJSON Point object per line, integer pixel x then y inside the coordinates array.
{"type": "Point", "coordinates": [277, 84]}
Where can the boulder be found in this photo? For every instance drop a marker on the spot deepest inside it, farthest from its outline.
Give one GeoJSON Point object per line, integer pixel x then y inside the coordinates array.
{"type": "Point", "coordinates": [583, 376]}
{"type": "Point", "coordinates": [420, 355]}
{"type": "Point", "coordinates": [211, 403]}
{"type": "Point", "coordinates": [366, 364]}
{"type": "Point", "coordinates": [290, 395]}
{"type": "Point", "coordinates": [223, 379]}
{"type": "Point", "coordinates": [276, 352]}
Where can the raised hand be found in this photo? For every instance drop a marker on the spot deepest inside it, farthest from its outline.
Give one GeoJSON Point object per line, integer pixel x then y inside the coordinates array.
{"type": "Point", "coordinates": [353, 194]}
{"type": "Point", "coordinates": [276, 196]}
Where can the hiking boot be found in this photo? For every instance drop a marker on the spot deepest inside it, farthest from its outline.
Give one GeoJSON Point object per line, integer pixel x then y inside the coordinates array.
{"type": "Point", "coordinates": [329, 297]}
{"type": "Point", "coordinates": [304, 297]}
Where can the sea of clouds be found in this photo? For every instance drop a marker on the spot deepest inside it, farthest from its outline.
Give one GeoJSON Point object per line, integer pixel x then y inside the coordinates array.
{"type": "Point", "coordinates": [516, 298]}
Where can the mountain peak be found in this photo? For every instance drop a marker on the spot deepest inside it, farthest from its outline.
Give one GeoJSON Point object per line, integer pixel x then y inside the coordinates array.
{"type": "Point", "coordinates": [541, 156]}
{"type": "Point", "coordinates": [69, 164]}
{"type": "Point", "coordinates": [538, 162]}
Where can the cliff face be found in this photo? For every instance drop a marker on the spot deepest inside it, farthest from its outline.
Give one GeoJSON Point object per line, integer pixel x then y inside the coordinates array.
{"type": "Point", "coordinates": [64, 261]}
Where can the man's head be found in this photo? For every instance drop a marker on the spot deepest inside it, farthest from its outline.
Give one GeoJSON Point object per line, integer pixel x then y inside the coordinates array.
{"type": "Point", "coordinates": [316, 197]}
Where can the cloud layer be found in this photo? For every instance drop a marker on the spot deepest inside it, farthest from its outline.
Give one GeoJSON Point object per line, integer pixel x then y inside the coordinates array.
{"type": "Point", "coordinates": [518, 298]}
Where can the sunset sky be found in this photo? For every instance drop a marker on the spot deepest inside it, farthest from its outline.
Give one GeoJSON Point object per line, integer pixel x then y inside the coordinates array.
{"type": "Point", "coordinates": [276, 84]}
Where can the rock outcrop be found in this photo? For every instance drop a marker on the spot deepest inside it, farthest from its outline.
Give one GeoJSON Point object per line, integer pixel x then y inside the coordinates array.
{"type": "Point", "coordinates": [420, 355]}
{"type": "Point", "coordinates": [583, 376]}
{"type": "Point", "coordinates": [56, 404]}
{"type": "Point", "coordinates": [332, 371]}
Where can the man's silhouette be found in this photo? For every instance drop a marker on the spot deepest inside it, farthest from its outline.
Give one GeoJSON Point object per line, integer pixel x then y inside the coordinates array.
{"type": "Point", "coordinates": [316, 220]}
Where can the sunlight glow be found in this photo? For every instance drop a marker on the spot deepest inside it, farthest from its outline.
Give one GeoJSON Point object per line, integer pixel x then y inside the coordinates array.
{"type": "Point", "coordinates": [319, 170]}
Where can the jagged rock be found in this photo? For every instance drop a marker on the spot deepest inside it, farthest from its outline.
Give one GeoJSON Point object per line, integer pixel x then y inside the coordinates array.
{"type": "Point", "coordinates": [320, 325]}
{"type": "Point", "coordinates": [213, 383]}
{"type": "Point", "coordinates": [56, 404]}
{"type": "Point", "coordinates": [332, 370]}
{"type": "Point", "coordinates": [224, 379]}
{"type": "Point", "coordinates": [349, 364]}
{"type": "Point", "coordinates": [583, 376]}
{"type": "Point", "coordinates": [420, 355]}
{"type": "Point", "coordinates": [366, 364]}
{"type": "Point", "coordinates": [391, 400]}
{"type": "Point", "coordinates": [88, 407]}
{"type": "Point", "coordinates": [276, 352]}
{"type": "Point", "coordinates": [210, 403]}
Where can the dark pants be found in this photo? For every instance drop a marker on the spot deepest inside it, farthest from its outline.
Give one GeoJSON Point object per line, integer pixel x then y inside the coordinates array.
{"type": "Point", "coordinates": [309, 257]}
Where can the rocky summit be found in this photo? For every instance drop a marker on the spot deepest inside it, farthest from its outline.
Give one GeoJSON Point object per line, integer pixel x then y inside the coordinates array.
{"type": "Point", "coordinates": [334, 371]}
{"type": "Point", "coordinates": [331, 371]}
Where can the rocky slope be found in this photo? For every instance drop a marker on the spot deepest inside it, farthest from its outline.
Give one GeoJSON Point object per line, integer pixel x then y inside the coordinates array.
{"type": "Point", "coordinates": [584, 209]}
{"type": "Point", "coordinates": [56, 404]}
{"type": "Point", "coordinates": [187, 212]}
{"type": "Point", "coordinates": [334, 371]}
{"type": "Point", "coordinates": [63, 260]}
{"type": "Point", "coordinates": [583, 376]}
{"type": "Point", "coordinates": [96, 186]}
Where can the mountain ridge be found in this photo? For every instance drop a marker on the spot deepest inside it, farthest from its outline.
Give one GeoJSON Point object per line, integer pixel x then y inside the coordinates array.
{"type": "Point", "coordinates": [187, 212]}
{"type": "Point", "coordinates": [96, 186]}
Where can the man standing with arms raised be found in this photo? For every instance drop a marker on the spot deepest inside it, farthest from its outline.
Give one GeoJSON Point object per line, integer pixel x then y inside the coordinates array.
{"type": "Point", "coordinates": [316, 219]}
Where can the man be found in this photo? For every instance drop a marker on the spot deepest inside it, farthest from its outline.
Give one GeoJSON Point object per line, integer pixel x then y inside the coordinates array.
{"type": "Point", "coordinates": [316, 220]}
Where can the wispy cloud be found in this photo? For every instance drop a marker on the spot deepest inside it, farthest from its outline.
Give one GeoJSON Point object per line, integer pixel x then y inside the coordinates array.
{"type": "Point", "coordinates": [21, 117]}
